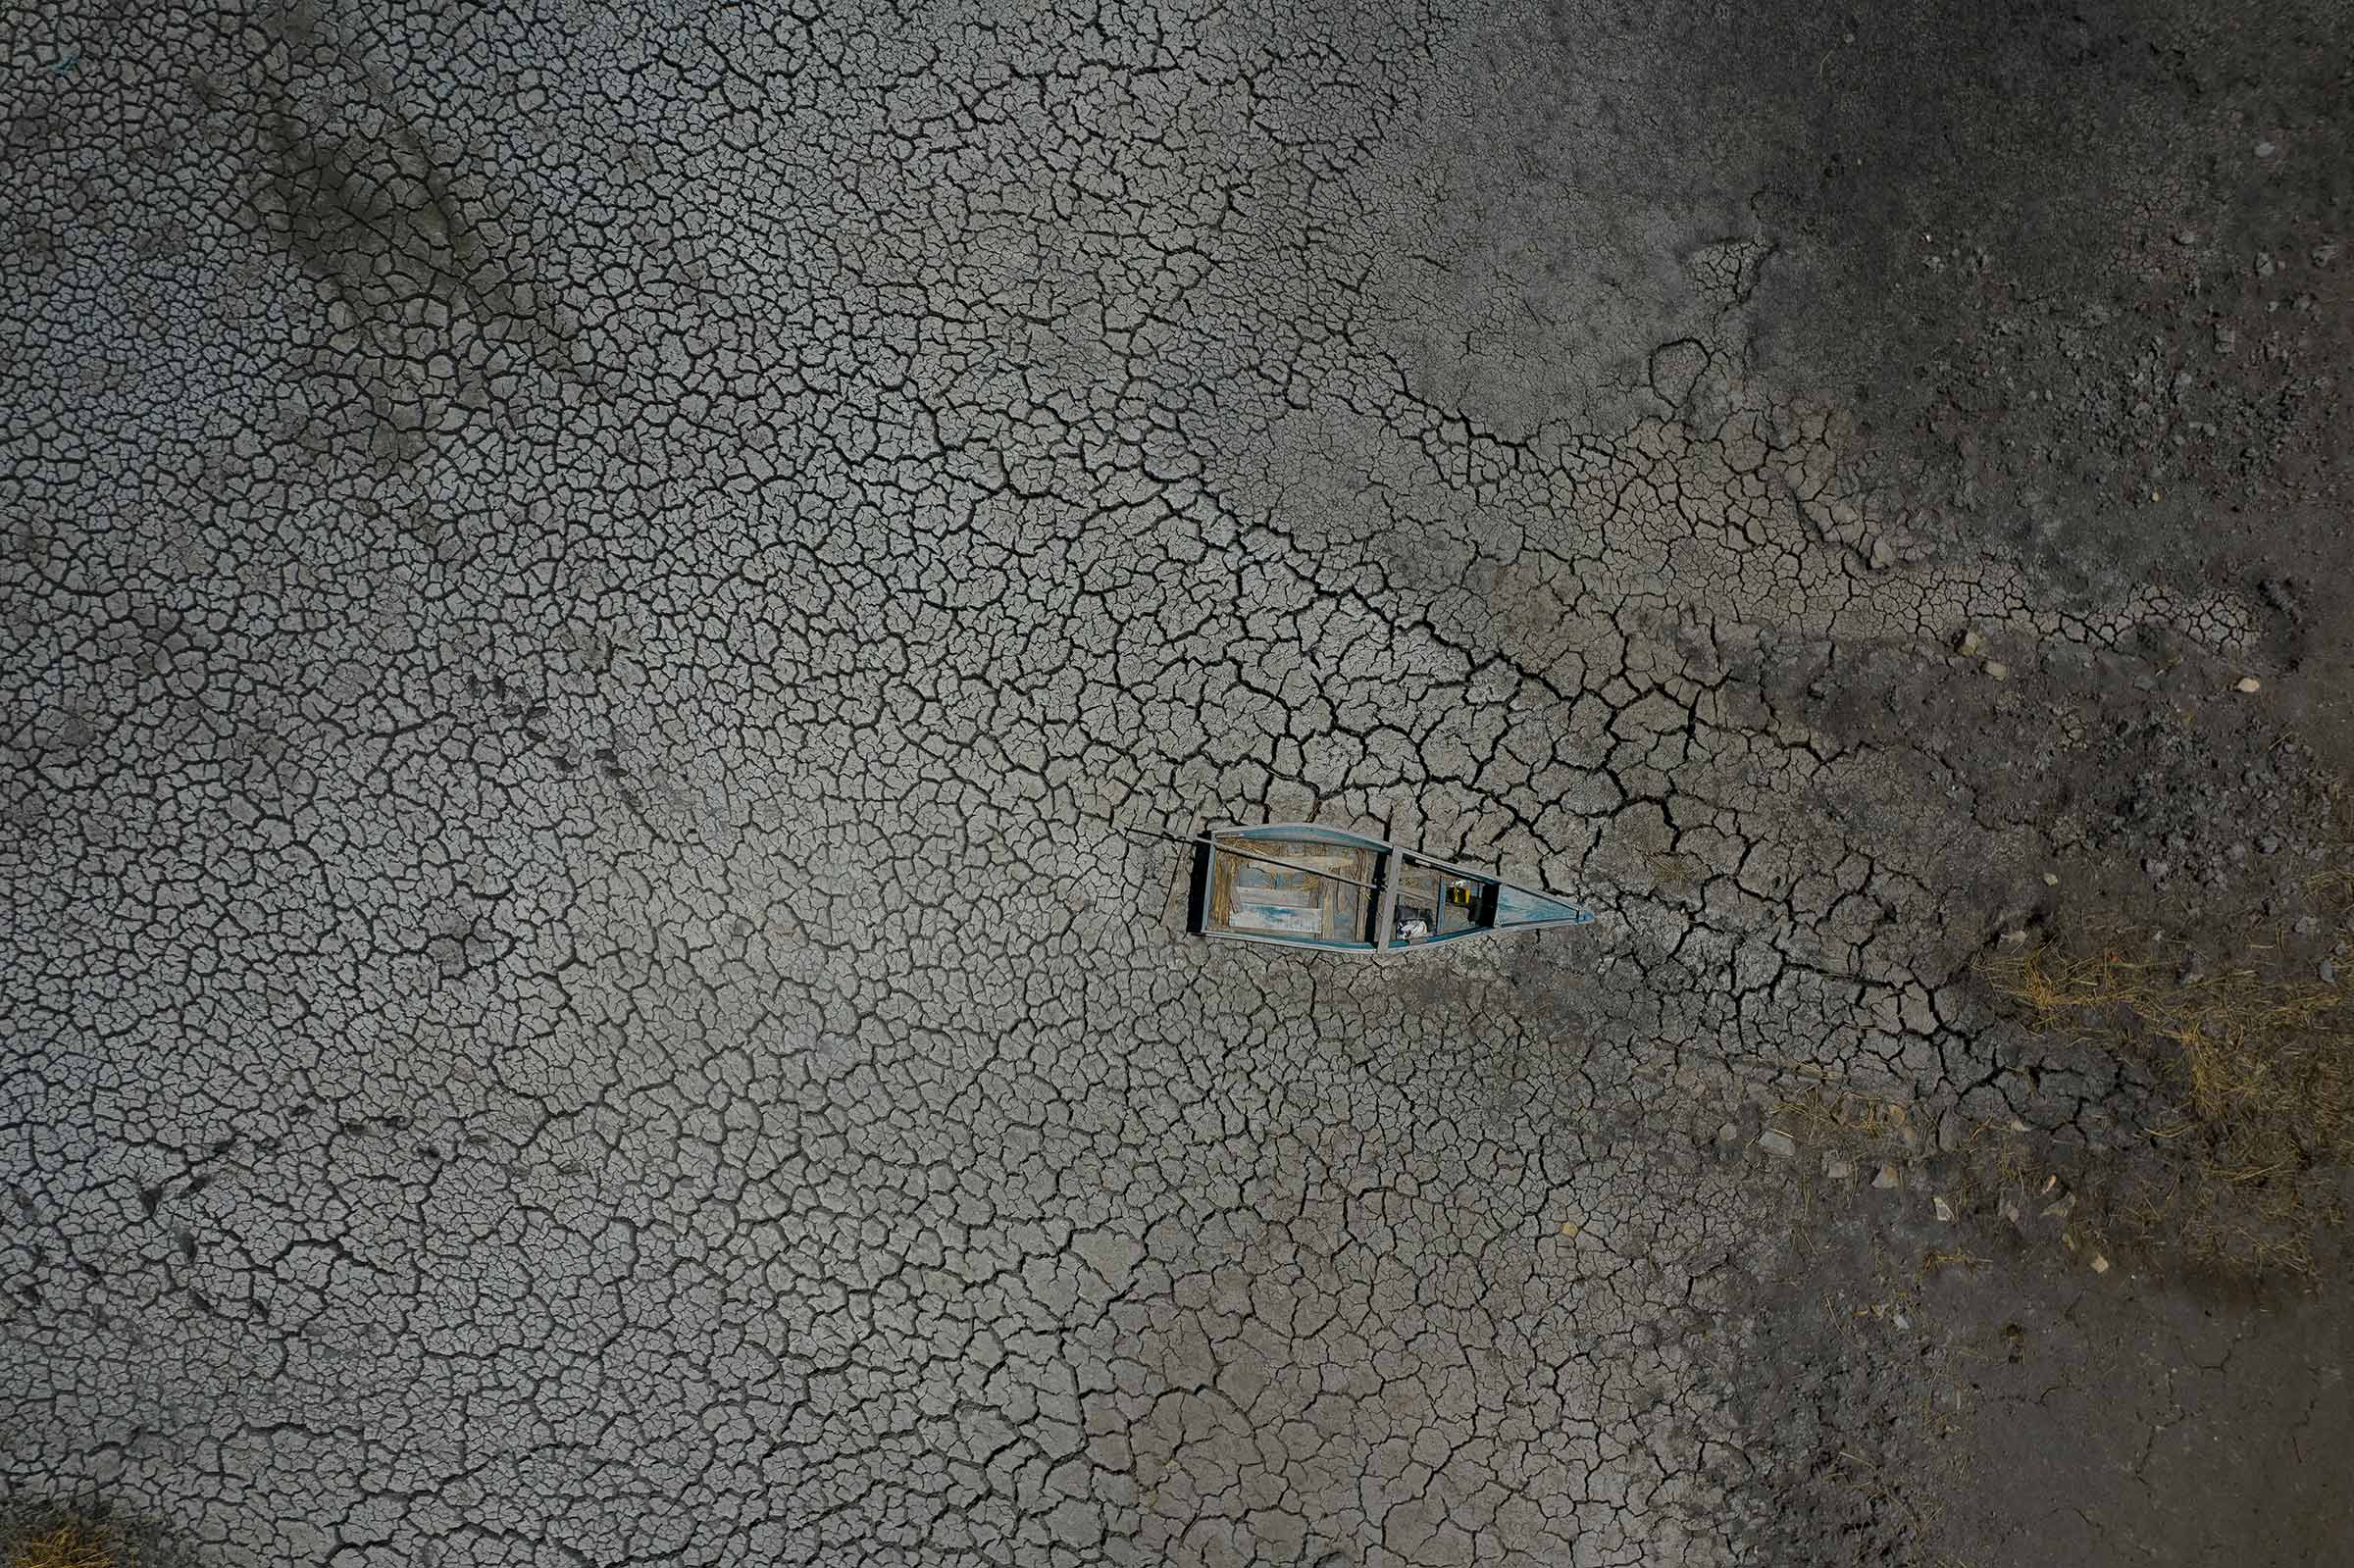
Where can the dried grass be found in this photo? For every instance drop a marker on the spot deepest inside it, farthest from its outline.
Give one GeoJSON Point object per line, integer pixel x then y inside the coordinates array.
{"type": "Point", "coordinates": [1845, 1119]}
{"type": "Point", "coordinates": [2259, 1071]}
{"type": "Point", "coordinates": [63, 1546]}
{"type": "Point", "coordinates": [1939, 1258]}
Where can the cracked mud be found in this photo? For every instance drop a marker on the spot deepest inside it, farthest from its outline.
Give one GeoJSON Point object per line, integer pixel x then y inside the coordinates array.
{"type": "Point", "coordinates": [586, 591]}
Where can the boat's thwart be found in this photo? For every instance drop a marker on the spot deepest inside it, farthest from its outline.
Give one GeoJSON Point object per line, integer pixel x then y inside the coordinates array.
{"type": "Point", "coordinates": [1302, 886]}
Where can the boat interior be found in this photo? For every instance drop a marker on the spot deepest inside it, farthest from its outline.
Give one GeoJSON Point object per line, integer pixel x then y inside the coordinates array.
{"type": "Point", "coordinates": [1295, 890]}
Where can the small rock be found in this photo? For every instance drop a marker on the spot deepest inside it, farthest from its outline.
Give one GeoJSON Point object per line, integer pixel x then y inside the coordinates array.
{"type": "Point", "coordinates": [2306, 926]}
{"type": "Point", "coordinates": [2018, 1126]}
{"type": "Point", "coordinates": [2062, 1209]}
{"type": "Point", "coordinates": [2050, 880]}
{"type": "Point", "coordinates": [2186, 236]}
{"type": "Point", "coordinates": [2156, 868]}
{"type": "Point", "coordinates": [1727, 1131]}
{"type": "Point", "coordinates": [1945, 1210]}
{"type": "Point", "coordinates": [2264, 264]}
{"type": "Point", "coordinates": [1970, 643]}
{"type": "Point", "coordinates": [1996, 669]}
{"type": "Point", "coordinates": [2010, 1210]}
{"type": "Point", "coordinates": [2265, 149]}
{"type": "Point", "coordinates": [2329, 972]}
{"type": "Point", "coordinates": [1886, 1179]}
{"type": "Point", "coordinates": [2248, 682]}
{"type": "Point", "coordinates": [1776, 1144]}
{"type": "Point", "coordinates": [1903, 1322]}
{"type": "Point", "coordinates": [1570, 1230]}
{"type": "Point", "coordinates": [1837, 1170]}
{"type": "Point", "coordinates": [2100, 1263]}
{"type": "Point", "coordinates": [2013, 941]}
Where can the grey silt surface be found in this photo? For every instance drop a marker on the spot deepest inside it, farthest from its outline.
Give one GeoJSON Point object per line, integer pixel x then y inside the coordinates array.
{"type": "Point", "coordinates": [585, 591]}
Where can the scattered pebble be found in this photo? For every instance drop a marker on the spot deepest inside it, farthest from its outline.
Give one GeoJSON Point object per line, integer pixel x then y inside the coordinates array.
{"type": "Point", "coordinates": [2018, 1126]}
{"type": "Point", "coordinates": [1777, 1144]}
{"type": "Point", "coordinates": [2265, 149]}
{"type": "Point", "coordinates": [2100, 1263]}
{"type": "Point", "coordinates": [1837, 1170]}
{"type": "Point", "coordinates": [2015, 939]}
{"type": "Point", "coordinates": [1996, 669]}
{"type": "Point", "coordinates": [1886, 1177]}
{"type": "Point", "coordinates": [1945, 1210]}
{"type": "Point", "coordinates": [1570, 1229]}
{"type": "Point", "coordinates": [2050, 880]}
{"type": "Point", "coordinates": [2329, 972]}
{"type": "Point", "coordinates": [1903, 1322]}
{"type": "Point", "coordinates": [2248, 682]}
{"type": "Point", "coordinates": [1970, 643]}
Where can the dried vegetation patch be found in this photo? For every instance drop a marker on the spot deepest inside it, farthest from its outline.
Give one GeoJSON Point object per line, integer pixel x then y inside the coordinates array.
{"type": "Point", "coordinates": [2257, 1069]}
{"type": "Point", "coordinates": [64, 1543]}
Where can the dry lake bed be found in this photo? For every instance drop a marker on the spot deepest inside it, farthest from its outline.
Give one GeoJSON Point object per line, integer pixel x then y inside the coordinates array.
{"type": "Point", "coordinates": [598, 601]}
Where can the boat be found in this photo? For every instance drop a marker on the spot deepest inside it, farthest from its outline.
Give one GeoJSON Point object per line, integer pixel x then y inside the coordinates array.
{"type": "Point", "coordinates": [1300, 884]}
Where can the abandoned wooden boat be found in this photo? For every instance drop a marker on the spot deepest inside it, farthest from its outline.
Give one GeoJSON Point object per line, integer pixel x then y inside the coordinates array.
{"type": "Point", "coordinates": [1302, 886]}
